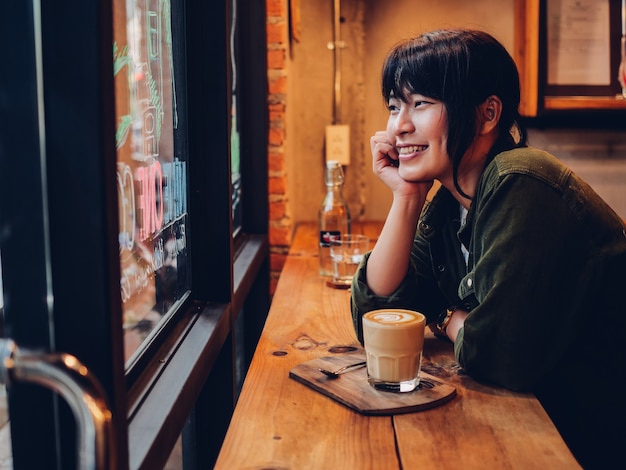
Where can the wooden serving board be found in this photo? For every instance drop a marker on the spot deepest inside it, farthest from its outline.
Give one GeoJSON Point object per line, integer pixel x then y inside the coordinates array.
{"type": "Point", "coordinates": [352, 389]}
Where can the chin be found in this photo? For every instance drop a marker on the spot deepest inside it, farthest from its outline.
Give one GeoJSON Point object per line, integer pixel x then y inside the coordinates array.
{"type": "Point", "coordinates": [410, 175]}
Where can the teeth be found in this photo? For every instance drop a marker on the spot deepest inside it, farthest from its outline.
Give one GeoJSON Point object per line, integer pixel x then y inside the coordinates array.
{"type": "Point", "coordinates": [411, 149]}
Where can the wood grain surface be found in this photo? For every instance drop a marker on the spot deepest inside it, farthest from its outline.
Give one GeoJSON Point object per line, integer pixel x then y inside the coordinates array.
{"type": "Point", "coordinates": [279, 423]}
{"type": "Point", "coordinates": [354, 391]}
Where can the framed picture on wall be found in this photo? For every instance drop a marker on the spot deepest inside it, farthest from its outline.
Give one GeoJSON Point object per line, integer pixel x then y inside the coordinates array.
{"type": "Point", "coordinates": [569, 53]}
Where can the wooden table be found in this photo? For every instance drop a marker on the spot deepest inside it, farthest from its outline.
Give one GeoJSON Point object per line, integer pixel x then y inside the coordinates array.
{"type": "Point", "coordinates": [279, 423]}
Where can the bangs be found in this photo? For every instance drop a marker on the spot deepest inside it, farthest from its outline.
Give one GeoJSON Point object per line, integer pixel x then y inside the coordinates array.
{"type": "Point", "coordinates": [409, 69]}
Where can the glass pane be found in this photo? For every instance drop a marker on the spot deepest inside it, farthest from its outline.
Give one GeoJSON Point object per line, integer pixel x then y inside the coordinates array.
{"type": "Point", "coordinates": [151, 179]}
{"type": "Point", "coordinates": [1, 294]}
{"type": "Point", "coordinates": [234, 130]}
{"type": "Point", "coordinates": [235, 173]}
{"type": "Point", "coordinates": [6, 457]}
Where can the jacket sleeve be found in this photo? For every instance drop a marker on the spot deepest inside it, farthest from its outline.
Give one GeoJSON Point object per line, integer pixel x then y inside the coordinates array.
{"type": "Point", "coordinates": [416, 292]}
{"type": "Point", "coordinates": [531, 272]}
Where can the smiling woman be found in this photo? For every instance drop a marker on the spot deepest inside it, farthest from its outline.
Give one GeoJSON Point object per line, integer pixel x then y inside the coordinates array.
{"type": "Point", "coordinates": [519, 250]}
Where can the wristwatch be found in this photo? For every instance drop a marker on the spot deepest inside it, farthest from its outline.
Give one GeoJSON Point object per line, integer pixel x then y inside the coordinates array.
{"type": "Point", "coordinates": [443, 321]}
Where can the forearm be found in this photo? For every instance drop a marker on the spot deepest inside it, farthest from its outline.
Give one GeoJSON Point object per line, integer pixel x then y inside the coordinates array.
{"type": "Point", "coordinates": [456, 323]}
{"type": "Point", "coordinates": [389, 261]}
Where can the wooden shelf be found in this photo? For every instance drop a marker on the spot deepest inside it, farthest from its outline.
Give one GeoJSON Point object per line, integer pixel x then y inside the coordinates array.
{"type": "Point", "coordinates": [555, 103]}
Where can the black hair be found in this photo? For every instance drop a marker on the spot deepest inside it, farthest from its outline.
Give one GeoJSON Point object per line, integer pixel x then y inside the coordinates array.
{"type": "Point", "coordinates": [460, 68]}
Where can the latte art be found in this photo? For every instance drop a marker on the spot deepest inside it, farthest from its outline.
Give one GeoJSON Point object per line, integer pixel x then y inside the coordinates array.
{"type": "Point", "coordinates": [394, 317]}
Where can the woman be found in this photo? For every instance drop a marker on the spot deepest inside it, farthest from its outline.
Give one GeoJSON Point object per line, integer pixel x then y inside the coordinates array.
{"type": "Point", "coordinates": [516, 259]}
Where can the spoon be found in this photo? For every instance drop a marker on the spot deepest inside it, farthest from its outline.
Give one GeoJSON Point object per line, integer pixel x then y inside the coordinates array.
{"type": "Point", "coordinates": [335, 374]}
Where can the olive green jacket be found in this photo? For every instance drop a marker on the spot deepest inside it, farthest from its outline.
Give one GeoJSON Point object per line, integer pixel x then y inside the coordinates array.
{"type": "Point", "coordinates": [544, 282]}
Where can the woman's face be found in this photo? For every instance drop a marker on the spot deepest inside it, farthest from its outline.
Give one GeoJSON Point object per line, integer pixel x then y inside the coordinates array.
{"type": "Point", "coordinates": [418, 130]}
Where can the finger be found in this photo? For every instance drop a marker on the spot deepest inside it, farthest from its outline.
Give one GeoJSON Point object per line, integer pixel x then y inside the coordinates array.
{"type": "Point", "coordinates": [379, 137]}
{"type": "Point", "coordinates": [380, 144]}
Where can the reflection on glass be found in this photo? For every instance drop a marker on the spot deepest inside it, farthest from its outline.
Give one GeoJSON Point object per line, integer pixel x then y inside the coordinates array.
{"type": "Point", "coordinates": [1, 291]}
{"type": "Point", "coordinates": [234, 130]}
{"type": "Point", "coordinates": [235, 173]}
{"type": "Point", "coordinates": [151, 179]}
{"type": "Point", "coordinates": [5, 435]}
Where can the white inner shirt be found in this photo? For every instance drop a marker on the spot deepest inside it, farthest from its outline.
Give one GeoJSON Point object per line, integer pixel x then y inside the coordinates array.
{"type": "Point", "coordinates": [463, 215]}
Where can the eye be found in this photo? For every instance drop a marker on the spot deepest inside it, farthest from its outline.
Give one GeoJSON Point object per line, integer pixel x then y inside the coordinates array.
{"type": "Point", "coordinates": [420, 100]}
{"type": "Point", "coordinates": [392, 105]}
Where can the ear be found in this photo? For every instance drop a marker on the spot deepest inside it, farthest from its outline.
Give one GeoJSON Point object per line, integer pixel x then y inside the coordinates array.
{"type": "Point", "coordinates": [490, 112]}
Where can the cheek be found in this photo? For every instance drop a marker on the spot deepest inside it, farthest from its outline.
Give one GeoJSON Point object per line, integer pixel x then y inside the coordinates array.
{"type": "Point", "coordinates": [438, 136]}
{"type": "Point", "coordinates": [443, 132]}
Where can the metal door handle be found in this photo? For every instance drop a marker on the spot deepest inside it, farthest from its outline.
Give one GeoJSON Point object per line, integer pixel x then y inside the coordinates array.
{"type": "Point", "coordinates": [65, 375]}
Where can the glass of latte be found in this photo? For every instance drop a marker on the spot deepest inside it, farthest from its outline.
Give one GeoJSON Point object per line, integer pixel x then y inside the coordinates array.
{"type": "Point", "coordinates": [393, 340]}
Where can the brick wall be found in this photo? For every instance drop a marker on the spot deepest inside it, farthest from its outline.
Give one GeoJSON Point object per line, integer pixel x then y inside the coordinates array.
{"type": "Point", "coordinates": [280, 222]}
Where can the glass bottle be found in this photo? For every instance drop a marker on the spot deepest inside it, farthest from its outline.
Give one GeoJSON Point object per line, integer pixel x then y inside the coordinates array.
{"type": "Point", "coordinates": [333, 216]}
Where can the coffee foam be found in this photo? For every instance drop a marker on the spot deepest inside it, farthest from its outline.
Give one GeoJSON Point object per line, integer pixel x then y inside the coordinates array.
{"type": "Point", "coordinates": [394, 317]}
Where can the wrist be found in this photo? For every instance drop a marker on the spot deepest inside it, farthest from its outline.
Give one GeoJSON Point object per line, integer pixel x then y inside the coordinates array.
{"type": "Point", "coordinates": [444, 319]}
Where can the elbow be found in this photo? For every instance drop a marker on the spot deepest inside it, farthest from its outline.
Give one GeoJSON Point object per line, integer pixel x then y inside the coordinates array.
{"type": "Point", "coordinates": [497, 369]}
{"type": "Point", "coordinates": [504, 378]}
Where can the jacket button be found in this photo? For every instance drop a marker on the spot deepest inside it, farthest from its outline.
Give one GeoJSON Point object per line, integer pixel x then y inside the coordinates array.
{"type": "Point", "coordinates": [441, 268]}
{"type": "Point", "coordinates": [469, 282]}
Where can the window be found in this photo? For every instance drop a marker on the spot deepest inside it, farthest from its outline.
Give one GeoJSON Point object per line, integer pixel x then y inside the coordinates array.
{"type": "Point", "coordinates": [117, 189]}
{"type": "Point", "coordinates": [151, 175]}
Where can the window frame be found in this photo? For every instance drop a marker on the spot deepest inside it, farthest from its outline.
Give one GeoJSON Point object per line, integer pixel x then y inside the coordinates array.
{"type": "Point", "coordinates": [173, 391]}
{"type": "Point", "coordinates": [218, 301]}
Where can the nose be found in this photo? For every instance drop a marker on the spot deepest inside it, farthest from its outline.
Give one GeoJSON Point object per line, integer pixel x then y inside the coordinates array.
{"type": "Point", "coordinates": [403, 124]}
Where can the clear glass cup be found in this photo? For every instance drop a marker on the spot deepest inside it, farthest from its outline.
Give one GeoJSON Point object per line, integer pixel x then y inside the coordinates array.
{"type": "Point", "coordinates": [346, 253]}
{"type": "Point", "coordinates": [393, 340]}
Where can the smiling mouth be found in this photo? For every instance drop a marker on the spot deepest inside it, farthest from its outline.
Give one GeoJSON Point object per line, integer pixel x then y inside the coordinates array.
{"type": "Point", "coordinates": [411, 149]}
